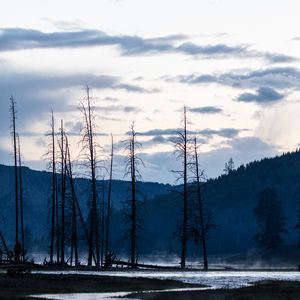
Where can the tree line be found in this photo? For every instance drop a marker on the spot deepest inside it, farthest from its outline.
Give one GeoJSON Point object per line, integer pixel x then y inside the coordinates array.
{"type": "Point", "coordinates": [69, 226]}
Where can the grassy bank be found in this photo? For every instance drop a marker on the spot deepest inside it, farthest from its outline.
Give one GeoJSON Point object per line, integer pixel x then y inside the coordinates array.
{"type": "Point", "coordinates": [20, 287]}
{"type": "Point", "coordinates": [274, 290]}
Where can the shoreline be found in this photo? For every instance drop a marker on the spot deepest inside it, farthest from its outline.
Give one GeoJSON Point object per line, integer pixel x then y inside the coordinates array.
{"type": "Point", "coordinates": [20, 287]}
{"type": "Point", "coordinates": [264, 290]}
{"type": "Point", "coordinates": [134, 287]}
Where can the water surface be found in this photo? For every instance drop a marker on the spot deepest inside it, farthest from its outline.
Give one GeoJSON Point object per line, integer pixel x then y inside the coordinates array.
{"type": "Point", "coordinates": [211, 279]}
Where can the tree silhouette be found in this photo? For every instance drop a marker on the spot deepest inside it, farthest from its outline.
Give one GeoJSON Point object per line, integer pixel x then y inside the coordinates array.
{"type": "Point", "coordinates": [270, 219]}
{"type": "Point", "coordinates": [14, 137]}
{"type": "Point", "coordinates": [21, 196]}
{"type": "Point", "coordinates": [107, 242]}
{"type": "Point", "coordinates": [132, 171]}
{"type": "Point", "coordinates": [199, 196]}
{"type": "Point", "coordinates": [89, 155]}
{"type": "Point", "coordinates": [51, 157]}
{"type": "Point", "coordinates": [181, 144]}
{"type": "Point", "coordinates": [229, 167]}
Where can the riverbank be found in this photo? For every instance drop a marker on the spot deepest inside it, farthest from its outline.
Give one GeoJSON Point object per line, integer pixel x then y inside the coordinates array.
{"type": "Point", "coordinates": [19, 287]}
{"type": "Point", "coordinates": [272, 290]}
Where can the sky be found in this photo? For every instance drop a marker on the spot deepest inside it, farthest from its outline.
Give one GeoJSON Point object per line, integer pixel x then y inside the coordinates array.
{"type": "Point", "coordinates": [234, 64]}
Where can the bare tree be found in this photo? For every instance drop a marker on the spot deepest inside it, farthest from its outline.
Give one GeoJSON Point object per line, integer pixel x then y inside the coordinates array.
{"type": "Point", "coordinates": [89, 152]}
{"type": "Point", "coordinates": [74, 235]}
{"type": "Point", "coordinates": [107, 242]}
{"type": "Point", "coordinates": [102, 221]}
{"type": "Point", "coordinates": [181, 144]}
{"type": "Point", "coordinates": [51, 156]}
{"type": "Point", "coordinates": [200, 204]}
{"type": "Point", "coordinates": [62, 147]}
{"type": "Point", "coordinates": [131, 170]}
{"type": "Point", "coordinates": [76, 211]}
{"type": "Point", "coordinates": [14, 137]}
{"type": "Point", "coordinates": [21, 198]}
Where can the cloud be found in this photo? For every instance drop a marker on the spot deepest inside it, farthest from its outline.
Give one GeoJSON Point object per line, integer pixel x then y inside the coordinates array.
{"type": "Point", "coordinates": [75, 126]}
{"type": "Point", "coordinates": [263, 95]}
{"type": "Point", "coordinates": [119, 108]}
{"type": "Point", "coordinates": [221, 50]}
{"type": "Point", "coordinates": [41, 81]}
{"type": "Point", "coordinates": [208, 133]}
{"type": "Point", "coordinates": [37, 93]}
{"type": "Point", "coordinates": [156, 140]}
{"type": "Point", "coordinates": [40, 142]}
{"type": "Point", "coordinates": [20, 38]}
{"type": "Point", "coordinates": [277, 78]}
{"type": "Point", "coordinates": [224, 132]}
{"type": "Point", "coordinates": [242, 150]}
{"type": "Point", "coordinates": [206, 110]}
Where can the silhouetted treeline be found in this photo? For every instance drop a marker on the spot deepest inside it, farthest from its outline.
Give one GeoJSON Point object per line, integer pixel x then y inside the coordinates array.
{"type": "Point", "coordinates": [232, 197]}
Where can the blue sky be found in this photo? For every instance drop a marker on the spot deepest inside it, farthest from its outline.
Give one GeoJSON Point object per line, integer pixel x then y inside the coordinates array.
{"type": "Point", "coordinates": [234, 64]}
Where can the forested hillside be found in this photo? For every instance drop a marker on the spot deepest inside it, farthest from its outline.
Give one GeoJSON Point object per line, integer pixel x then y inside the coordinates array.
{"type": "Point", "coordinates": [230, 199]}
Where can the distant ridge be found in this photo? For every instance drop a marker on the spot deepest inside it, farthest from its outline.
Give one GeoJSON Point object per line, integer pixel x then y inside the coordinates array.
{"type": "Point", "coordinates": [231, 199]}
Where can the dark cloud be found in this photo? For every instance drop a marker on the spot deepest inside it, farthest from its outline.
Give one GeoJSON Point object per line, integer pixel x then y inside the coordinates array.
{"type": "Point", "coordinates": [37, 93]}
{"type": "Point", "coordinates": [208, 133]}
{"type": "Point", "coordinates": [224, 132]}
{"type": "Point", "coordinates": [277, 78]}
{"type": "Point", "coordinates": [221, 50]}
{"type": "Point", "coordinates": [158, 132]}
{"type": "Point", "coordinates": [155, 141]}
{"type": "Point", "coordinates": [119, 108]}
{"type": "Point", "coordinates": [263, 95]}
{"type": "Point", "coordinates": [42, 81]}
{"type": "Point", "coordinates": [20, 38]}
{"type": "Point", "coordinates": [213, 50]}
{"type": "Point", "coordinates": [206, 110]}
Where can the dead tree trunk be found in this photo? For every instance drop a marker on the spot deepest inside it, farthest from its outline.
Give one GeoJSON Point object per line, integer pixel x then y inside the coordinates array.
{"type": "Point", "coordinates": [74, 237]}
{"type": "Point", "coordinates": [77, 209]}
{"type": "Point", "coordinates": [14, 136]}
{"type": "Point", "coordinates": [200, 203]}
{"type": "Point", "coordinates": [89, 147]}
{"type": "Point", "coordinates": [102, 221]}
{"type": "Point", "coordinates": [107, 244]}
{"type": "Point", "coordinates": [131, 170]}
{"type": "Point", "coordinates": [63, 193]}
{"type": "Point", "coordinates": [181, 150]}
{"type": "Point", "coordinates": [185, 197]}
{"type": "Point", "coordinates": [133, 202]}
{"type": "Point", "coordinates": [5, 246]}
{"type": "Point", "coordinates": [21, 199]}
{"type": "Point", "coordinates": [53, 203]}
{"type": "Point", "coordinates": [57, 222]}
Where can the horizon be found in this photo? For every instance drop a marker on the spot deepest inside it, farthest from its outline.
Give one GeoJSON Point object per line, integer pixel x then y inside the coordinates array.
{"type": "Point", "coordinates": [80, 175]}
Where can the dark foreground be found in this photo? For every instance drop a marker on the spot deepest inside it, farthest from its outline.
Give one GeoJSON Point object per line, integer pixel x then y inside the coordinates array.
{"type": "Point", "coordinates": [275, 290]}
{"type": "Point", "coordinates": [21, 287]}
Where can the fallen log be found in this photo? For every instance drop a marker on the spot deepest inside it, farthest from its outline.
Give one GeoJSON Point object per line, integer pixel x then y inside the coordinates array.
{"type": "Point", "coordinates": [146, 266]}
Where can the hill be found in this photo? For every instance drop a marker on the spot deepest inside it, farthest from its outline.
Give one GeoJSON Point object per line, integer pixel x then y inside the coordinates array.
{"type": "Point", "coordinates": [231, 199]}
